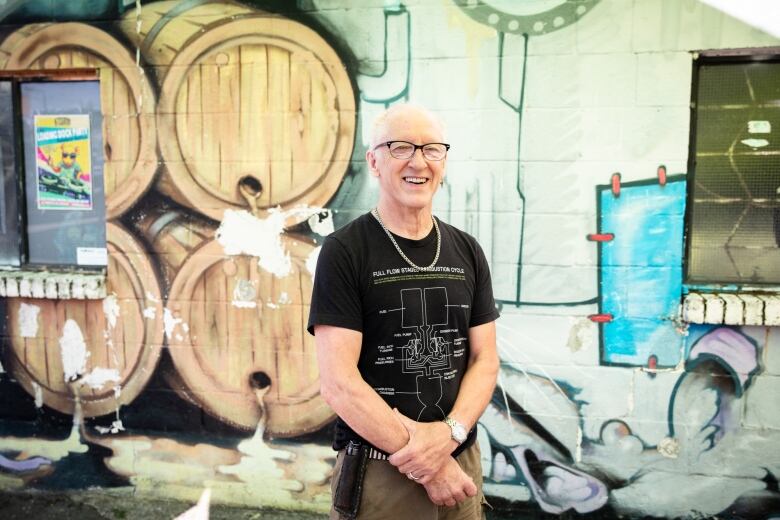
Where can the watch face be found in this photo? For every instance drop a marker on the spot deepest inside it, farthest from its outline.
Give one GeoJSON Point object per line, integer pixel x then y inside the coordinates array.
{"type": "Point", "coordinates": [457, 430]}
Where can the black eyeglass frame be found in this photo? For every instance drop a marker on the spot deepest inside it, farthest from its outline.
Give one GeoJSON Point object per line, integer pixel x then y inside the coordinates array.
{"type": "Point", "coordinates": [421, 147]}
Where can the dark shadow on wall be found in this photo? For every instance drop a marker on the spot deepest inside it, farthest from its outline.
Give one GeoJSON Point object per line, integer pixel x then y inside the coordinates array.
{"type": "Point", "coordinates": [27, 11]}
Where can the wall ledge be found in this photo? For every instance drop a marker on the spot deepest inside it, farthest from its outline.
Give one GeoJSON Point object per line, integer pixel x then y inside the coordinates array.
{"type": "Point", "coordinates": [731, 308]}
{"type": "Point", "coordinates": [53, 285]}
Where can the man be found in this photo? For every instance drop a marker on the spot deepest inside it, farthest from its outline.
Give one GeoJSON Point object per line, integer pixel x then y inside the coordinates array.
{"type": "Point", "coordinates": [404, 322]}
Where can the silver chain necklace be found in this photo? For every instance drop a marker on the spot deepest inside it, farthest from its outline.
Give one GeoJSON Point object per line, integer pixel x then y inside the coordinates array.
{"type": "Point", "coordinates": [375, 213]}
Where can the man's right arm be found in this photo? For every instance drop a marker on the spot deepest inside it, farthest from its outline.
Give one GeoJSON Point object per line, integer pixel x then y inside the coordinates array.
{"type": "Point", "coordinates": [345, 390]}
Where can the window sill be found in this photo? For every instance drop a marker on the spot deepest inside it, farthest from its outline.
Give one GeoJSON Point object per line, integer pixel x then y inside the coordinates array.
{"type": "Point", "coordinates": [53, 285]}
{"type": "Point", "coordinates": [732, 308]}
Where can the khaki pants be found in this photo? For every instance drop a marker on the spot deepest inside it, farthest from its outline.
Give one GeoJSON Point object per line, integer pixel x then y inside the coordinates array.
{"type": "Point", "coordinates": [390, 495]}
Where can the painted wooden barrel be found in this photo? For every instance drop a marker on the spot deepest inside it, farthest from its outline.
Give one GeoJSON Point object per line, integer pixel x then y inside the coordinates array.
{"type": "Point", "coordinates": [122, 336]}
{"type": "Point", "coordinates": [251, 106]}
{"type": "Point", "coordinates": [127, 99]}
{"type": "Point", "coordinates": [144, 28]}
{"type": "Point", "coordinates": [172, 235]}
{"type": "Point", "coordinates": [237, 329]}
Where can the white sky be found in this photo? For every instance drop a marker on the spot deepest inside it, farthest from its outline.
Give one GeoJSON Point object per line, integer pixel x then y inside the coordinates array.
{"type": "Point", "coordinates": [761, 14]}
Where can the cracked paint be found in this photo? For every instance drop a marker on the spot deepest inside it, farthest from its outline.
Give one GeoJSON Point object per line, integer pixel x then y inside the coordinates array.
{"type": "Point", "coordinates": [311, 260]}
{"type": "Point", "coordinates": [73, 350]}
{"type": "Point", "coordinates": [28, 320]}
{"type": "Point", "coordinates": [171, 322]}
{"type": "Point", "coordinates": [241, 233]}
{"type": "Point", "coordinates": [100, 376]}
{"type": "Point", "coordinates": [38, 391]}
{"type": "Point", "coordinates": [111, 309]}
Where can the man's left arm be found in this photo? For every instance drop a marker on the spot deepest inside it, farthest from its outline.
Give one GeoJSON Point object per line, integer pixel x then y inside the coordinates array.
{"type": "Point", "coordinates": [479, 381]}
{"type": "Point", "coordinates": [431, 443]}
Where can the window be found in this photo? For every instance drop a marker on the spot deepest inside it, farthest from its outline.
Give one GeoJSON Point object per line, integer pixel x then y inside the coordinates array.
{"type": "Point", "coordinates": [734, 180]}
{"type": "Point", "coordinates": [51, 150]}
{"type": "Point", "coordinates": [9, 216]}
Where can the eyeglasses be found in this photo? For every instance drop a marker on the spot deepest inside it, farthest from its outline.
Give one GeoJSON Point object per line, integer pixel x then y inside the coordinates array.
{"type": "Point", "coordinates": [405, 150]}
{"type": "Point", "coordinates": [71, 155]}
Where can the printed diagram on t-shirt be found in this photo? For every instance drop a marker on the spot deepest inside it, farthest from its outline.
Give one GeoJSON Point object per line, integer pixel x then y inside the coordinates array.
{"type": "Point", "coordinates": [424, 313]}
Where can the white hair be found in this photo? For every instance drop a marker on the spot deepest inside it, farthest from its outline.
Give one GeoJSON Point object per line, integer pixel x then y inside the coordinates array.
{"type": "Point", "coordinates": [380, 122]}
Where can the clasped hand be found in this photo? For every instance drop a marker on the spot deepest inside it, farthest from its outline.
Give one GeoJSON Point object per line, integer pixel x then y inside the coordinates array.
{"type": "Point", "coordinates": [428, 448]}
{"type": "Point", "coordinates": [427, 457]}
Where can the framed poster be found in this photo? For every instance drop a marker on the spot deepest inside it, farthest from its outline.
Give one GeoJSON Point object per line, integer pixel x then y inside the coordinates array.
{"type": "Point", "coordinates": [63, 162]}
{"type": "Point", "coordinates": [62, 140]}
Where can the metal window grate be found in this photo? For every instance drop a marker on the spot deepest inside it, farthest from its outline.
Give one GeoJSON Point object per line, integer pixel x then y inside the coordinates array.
{"type": "Point", "coordinates": [734, 226]}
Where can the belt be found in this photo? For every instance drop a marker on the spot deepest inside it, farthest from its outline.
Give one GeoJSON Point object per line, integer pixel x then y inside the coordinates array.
{"type": "Point", "coordinates": [376, 454]}
{"type": "Point", "coordinates": [373, 453]}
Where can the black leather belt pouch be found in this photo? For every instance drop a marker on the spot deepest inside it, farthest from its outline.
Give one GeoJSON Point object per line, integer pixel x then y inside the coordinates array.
{"type": "Point", "coordinates": [350, 484]}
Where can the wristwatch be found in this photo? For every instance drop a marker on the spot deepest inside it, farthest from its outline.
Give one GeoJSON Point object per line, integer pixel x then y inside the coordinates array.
{"type": "Point", "coordinates": [457, 430]}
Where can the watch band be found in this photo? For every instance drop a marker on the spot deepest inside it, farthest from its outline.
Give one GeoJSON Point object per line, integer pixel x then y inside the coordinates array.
{"type": "Point", "coordinates": [458, 431]}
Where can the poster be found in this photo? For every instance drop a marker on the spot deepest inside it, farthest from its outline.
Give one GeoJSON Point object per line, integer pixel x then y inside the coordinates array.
{"type": "Point", "coordinates": [63, 159]}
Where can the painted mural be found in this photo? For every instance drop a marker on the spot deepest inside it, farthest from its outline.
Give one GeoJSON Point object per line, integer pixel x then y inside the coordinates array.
{"type": "Point", "coordinates": [235, 134]}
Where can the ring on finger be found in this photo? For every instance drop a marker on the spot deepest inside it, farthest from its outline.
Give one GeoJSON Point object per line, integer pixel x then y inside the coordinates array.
{"type": "Point", "coordinates": [411, 476]}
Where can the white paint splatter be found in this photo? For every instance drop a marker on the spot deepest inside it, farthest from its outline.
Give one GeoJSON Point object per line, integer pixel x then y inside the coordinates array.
{"type": "Point", "coordinates": [73, 350]}
{"type": "Point", "coordinates": [115, 427]}
{"type": "Point", "coordinates": [149, 313]}
{"type": "Point", "coordinates": [38, 394]}
{"type": "Point", "coordinates": [111, 348]}
{"type": "Point", "coordinates": [244, 295]}
{"type": "Point", "coordinates": [111, 309]}
{"type": "Point", "coordinates": [259, 458]}
{"type": "Point", "coordinates": [311, 260]}
{"type": "Point", "coordinates": [759, 127]}
{"type": "Point", "coordinates": [28, 320]}
{"type": "Point", "coordinates": [322, 223]}
{"type": "Point", "coordinates": [669, 447]}
{"type": "Point", "coordinates": [241, 233]}
{"type": "Point", "coordinates": [244, 305]}
{"type": "Point", "coordinates": [199, 511]}
{"type": "Point", "coordinates": [755, 143]}
{"type": "Point", "coordinates": [581, 334]}
{"type": "Point", "coordinates": [171, 322]}
{"type": "Point", "coordinates": [305, 212]}
{"type": "Point", "coordinates": [150, 297]}
{"type": "Point", "coordinates": [271, 305]}
{"type": "Point", "coordinates": [284, 298]}
{"type": "Point", "coordinates": [100, 376]}
{"type": "Point", "coordinates": [578, 452]}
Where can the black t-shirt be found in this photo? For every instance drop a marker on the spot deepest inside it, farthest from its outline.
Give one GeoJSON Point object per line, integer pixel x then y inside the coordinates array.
{"type": "Point", "coordinates": [415, 324]}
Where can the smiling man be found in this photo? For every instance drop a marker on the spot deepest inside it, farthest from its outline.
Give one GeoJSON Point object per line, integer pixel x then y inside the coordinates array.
{"type": "Point", "coordinates": [404, 322]}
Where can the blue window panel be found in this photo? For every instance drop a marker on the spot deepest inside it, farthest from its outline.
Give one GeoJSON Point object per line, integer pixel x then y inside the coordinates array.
{"type": "Point", "coordinates": [641, 272]}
